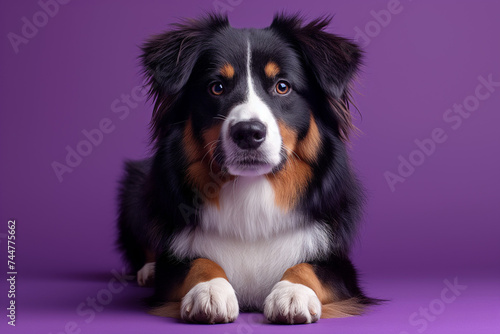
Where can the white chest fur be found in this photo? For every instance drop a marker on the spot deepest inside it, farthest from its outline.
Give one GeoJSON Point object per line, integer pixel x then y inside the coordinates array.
{"type": "Point", "coordinates": [251, 239]}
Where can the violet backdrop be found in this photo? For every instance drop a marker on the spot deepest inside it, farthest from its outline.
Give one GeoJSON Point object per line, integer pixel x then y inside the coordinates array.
{"type": "Point", "coordinates": [439, 221]}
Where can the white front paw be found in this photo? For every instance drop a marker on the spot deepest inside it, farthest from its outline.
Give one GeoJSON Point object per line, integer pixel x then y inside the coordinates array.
{"type": "Point", "coordinates": [210, 302]}
{"type": "Point", "coordinates": [146, 273]}
{"type": "Point", "coordinates": [292, 303]}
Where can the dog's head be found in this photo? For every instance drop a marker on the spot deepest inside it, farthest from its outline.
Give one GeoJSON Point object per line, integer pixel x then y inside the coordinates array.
{"type": "Point", "coordinates": [250, 99]}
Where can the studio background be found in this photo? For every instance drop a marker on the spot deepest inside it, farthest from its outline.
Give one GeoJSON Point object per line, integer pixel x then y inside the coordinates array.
{"type": "Point", "coordinates": [427, 154]}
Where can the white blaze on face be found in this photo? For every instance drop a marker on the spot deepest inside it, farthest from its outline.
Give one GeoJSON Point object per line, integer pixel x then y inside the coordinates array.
{"type": "Point", "coordinates": [253, 108]}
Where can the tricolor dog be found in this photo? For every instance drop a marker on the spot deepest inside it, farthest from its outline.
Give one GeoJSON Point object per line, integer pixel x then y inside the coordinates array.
{"type": "Point", "coordinates": [249, 201]}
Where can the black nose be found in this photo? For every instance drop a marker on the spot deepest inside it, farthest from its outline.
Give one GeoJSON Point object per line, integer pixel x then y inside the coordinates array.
{"type": "Point", "coordinates": [248, 134]}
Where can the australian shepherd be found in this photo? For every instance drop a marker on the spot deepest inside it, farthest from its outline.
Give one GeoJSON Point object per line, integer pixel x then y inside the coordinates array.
{"type": "Point", "coordinates": [249, 201]}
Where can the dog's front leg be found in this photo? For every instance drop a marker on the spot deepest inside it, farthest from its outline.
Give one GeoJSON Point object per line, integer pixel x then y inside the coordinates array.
{"type": "Point", "coordinates": [205, 295]}
{"type": "Point", "coordinates": [297, 297]}
{"type": "Point", "coordinates": [309, 291]}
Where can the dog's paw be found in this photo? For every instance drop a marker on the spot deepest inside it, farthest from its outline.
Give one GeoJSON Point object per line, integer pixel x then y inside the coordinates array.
{"type": "Point", "coordinates": [292, 303]}
{"type": "Point", "coordinates": [146, 273]}
{"type": "Point", "coordinates": [210, 302]}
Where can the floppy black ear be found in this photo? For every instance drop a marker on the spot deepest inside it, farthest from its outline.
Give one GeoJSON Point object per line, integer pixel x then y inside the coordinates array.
{"type": "Point", "coordinates": [333, 60]}
{"type": "Point", "coordinates": [169, 58]}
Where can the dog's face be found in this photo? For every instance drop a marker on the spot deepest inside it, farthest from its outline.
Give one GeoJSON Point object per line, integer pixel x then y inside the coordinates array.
{"type": "Point", "coordinates": [251, 98]}
{"type": "Point", "coordinates": [245, 100]}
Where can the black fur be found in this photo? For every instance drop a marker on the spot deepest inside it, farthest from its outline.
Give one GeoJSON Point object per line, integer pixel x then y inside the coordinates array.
{"type": "Point", "coordinates": [133, 239]}
{"type": "Point", "coordinates": [155, 199]}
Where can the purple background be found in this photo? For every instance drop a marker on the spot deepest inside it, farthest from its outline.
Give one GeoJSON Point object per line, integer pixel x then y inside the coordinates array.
{"type": "Point", "coordinates": [442, 223]}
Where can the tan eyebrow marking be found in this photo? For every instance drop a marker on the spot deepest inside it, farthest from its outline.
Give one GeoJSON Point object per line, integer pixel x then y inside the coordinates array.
{"type": "Point", "coordinates": [227, 71]}
{"type": "Point", "coordinates": [272, 69]}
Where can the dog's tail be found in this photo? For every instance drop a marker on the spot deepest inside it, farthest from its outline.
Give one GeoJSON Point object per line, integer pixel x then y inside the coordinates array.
{"type": "Point", "coordinates": [168, 310]}
{"type": "Point", "coordinates": [338, 309]}
{"type": "Point", "coordinates": [348, 307]}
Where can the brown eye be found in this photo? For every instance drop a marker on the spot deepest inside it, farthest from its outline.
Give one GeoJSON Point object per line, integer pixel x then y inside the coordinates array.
{"type": "Point", "coordinates": [282, 87]}
{"type": "Point", "coordinates": [217, 88]}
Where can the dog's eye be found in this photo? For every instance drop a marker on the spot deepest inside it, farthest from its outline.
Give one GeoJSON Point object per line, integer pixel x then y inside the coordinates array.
{"type": "Point", "coordinates": [217, 88]}
{"type": "Point", "coordinates": [282, 87]}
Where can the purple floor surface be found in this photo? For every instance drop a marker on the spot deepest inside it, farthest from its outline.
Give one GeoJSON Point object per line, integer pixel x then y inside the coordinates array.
{"type": "Point", "coordinates": [439, 304]}
{"type": "Point", "coordinates": [432, 213]}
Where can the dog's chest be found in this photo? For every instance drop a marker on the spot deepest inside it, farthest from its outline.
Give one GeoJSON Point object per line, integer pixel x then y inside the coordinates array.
{"type": "Point", "coordinates": [251, 239]}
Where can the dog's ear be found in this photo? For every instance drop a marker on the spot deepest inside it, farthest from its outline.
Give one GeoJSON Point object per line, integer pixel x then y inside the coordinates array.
{"type": "Point", "coordinates": [169, 58]}
{"type": "Point", "coordinates": [333, 61]}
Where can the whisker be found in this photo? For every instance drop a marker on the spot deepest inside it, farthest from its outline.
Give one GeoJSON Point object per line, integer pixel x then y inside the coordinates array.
{"type": "Point", "coordinates": [221, 117]}
{"type": "Point", "coordinates": [212, 148]}
{"type": "Point", "coordinates": [213, 141]}
{"type": "Point", "coordinates": [212, 162]}
{"type": "Point", "coordinates": [290, 151]}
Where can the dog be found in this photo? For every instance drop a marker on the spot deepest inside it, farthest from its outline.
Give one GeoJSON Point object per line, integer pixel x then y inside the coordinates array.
{"type": "Point", "coordinates": [249, 201]}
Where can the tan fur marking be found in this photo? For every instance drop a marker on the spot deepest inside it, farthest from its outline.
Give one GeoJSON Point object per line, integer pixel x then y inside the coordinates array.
{"type": "Point", "coordinates": [191, 146]}
{"type": "Point", "coordinates": [288, 136]}
{"type": "Point", "coordinates": [202, 270]}
{"type": "Point", "coordinates": [308, 148]}
{"type": "Point", "coordinates": [227, 71]}
{"type": "Point", "coordinates": [210, 138]}
{"type": "Point", "coordinates": [272, 69]}
{"type": "Point", "coordinates": [332, 307]}
{"type": "Point", "coordinates": [342, 308]}
{"type": "Point", "coordinates": [201, 166]}
{"type": "Point", "coordinates": [198, 174]}
{"type": "Point", "coordinates": [290, 182]}
{"type": "Point", "coordinates": [167, 310]}
{"type": "Point", "coordinates": [303, 273]}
